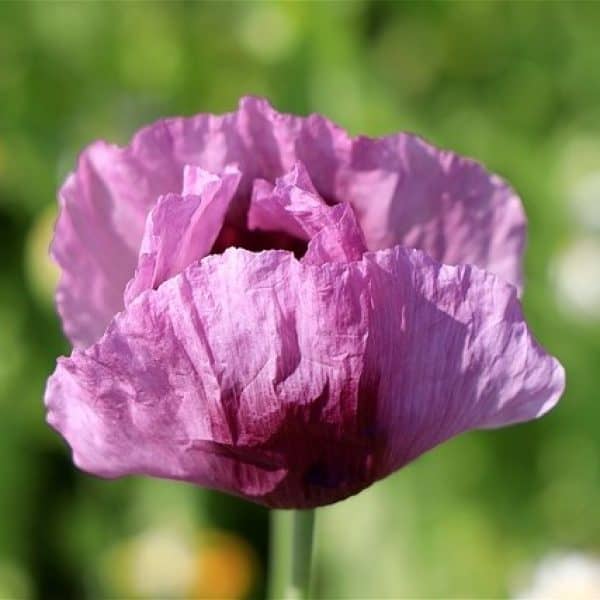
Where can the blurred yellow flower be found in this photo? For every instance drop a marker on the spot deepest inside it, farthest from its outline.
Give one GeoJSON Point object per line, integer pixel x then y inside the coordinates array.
{"type": "Point", "coordinates": [42, 273]}
{"type": "Point", "coordinates": [168, 562]}
{"type": "Point", "coordinates": [227, 567]}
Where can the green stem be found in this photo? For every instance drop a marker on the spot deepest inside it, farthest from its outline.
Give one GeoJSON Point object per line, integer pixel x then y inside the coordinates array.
{"type": "Point", "coordinates": [302, 542]}
{"type": "Point", "coordinates": [279, 552]}
{"type": "Point", "coordinates": [290, 554]}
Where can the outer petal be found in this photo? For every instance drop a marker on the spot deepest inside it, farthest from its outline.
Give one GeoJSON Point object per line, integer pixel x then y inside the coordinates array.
{"type": "Point", "coordinates": [181, 230]}
{"type": "Point", "coordinates": [457, 354]}
{"type": "Point", "coordinates": [95, 244]}
{"type": "Point", "coordinates": [407, 192]}
{"type": "Point", "coordinates": [297, 385]}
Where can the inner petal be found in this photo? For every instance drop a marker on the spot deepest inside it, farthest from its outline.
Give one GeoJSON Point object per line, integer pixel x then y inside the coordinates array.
{"type": "Point", "coordinates": [341, 240]}
{"type": "Point", "coordinates": [181, 229]}
{"type": "Point", "coordinates": [293, 206]}
{"type": "Point", "coordinates": [288, 215]}
{"type": "Point", "coordinates": [284, 215]}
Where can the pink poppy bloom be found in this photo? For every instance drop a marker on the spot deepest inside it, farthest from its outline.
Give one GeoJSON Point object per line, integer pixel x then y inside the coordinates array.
{"type": "Point", "coordinates": [262, 304]}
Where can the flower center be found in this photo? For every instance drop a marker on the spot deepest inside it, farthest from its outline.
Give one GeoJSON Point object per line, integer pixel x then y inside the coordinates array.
{"type": "Point", "coordinates": [256, 241]}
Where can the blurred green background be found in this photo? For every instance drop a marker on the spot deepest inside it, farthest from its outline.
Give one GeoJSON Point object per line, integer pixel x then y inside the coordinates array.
{"type": "Point", "coordinates": [516, 85]}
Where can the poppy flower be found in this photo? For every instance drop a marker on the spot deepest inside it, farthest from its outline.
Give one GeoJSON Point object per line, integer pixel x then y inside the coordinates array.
{"type": "Point", "coordinates": [262, 304]}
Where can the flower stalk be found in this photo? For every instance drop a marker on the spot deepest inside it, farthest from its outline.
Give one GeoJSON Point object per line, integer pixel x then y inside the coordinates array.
{"type": "Point", "coordinates": [303, 525]}
{"type": "Point", "coordinates": [292, 534]}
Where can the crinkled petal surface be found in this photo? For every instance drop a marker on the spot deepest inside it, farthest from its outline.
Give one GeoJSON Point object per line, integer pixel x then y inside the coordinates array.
{"type": "Point", "coordinates": [182, 229]}
{"type": "Point", "coordinates": [295, 384]}
{"type": "Point", "coordinates": [403, 190]}
{"type": "Point", "coordinates": [408, 192]}
{"type": "Point", "coordinates": [294, 207]}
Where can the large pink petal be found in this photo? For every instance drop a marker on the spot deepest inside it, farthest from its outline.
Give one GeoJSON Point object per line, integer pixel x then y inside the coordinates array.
{"type": "Point", "coordinates": [408, 192]}
{"type": "Point", "coordinates": [183, 229]}
{"type": "Point", "coordinates": [297, 385]}
{"type": "Point", "coordinates": [458, 354]}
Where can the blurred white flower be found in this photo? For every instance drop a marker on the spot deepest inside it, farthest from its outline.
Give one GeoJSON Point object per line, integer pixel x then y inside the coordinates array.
{"type": "Point", "coordinates": [159, 562]}
{"type": "Point", "coordinates": [584, 200]}
{"type": "Point", "coordinates": [169, 562]}
{"type": "Point", "coordinates": [566, 576]}
{"type": "Point", "coordinates": [163, 563]}
{"type": "Point", "coordinates": [575, 273]}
